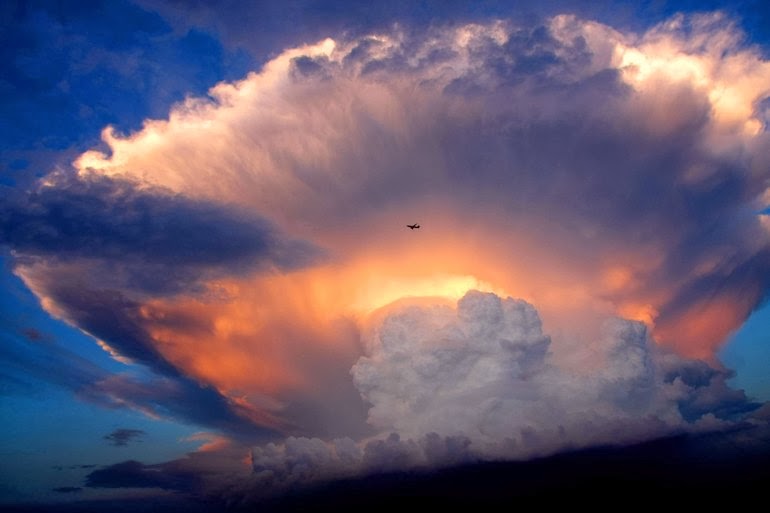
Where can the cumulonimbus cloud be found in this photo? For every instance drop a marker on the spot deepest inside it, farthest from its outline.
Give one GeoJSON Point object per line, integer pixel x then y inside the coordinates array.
{"type": "Point", "coordinates": [638, 158]}
{"type": "Point", "coordinates": [591, 173]}
{"type": "Point", "coordinates": [480, 382]}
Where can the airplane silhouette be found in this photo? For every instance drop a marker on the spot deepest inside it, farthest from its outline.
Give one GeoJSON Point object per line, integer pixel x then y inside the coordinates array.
{"type": "Point", "coordinates": [413, 226]}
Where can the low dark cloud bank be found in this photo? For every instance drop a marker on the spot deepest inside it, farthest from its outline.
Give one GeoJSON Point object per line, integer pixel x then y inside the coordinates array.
{"type": "Point", "coordinates": [133, 474]}
{"type": "Point", "coordinates": [68, 489]}
{"type": "Point", "coordinates": [684, 470]}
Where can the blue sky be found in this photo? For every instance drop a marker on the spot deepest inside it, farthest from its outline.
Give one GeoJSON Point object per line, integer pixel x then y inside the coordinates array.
{"type": "Point", "coordinates": [236, 303]}
{"type": "Point", "coordinates": [69, 70]}
{"type": "Point", "coordinates": [51, 437]}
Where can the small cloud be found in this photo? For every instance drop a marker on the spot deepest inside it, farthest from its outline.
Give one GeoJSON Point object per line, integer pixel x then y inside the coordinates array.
{"type": "Point", "coordinates": [33, 335]}
{"type": "Point", "coordinates": [134, 474]}
{"type": "Point", "coordinates": [122, 437]}
{"type": "Point", "coordinates": [68, 489]}
{"type": "Point", "coordinates": [211, 441]}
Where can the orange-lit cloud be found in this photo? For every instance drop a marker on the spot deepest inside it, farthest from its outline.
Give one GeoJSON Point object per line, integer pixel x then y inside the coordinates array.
{"type": "Point", "coordinates": [588, 172]}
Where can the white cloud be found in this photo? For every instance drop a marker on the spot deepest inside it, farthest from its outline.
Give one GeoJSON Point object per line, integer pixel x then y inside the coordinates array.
{"type": "Point", "coordinates": [487, 372]}
{"type": "Point", "coordinates": [437, 370]}
{"type": "Point", "coordinates": [481, 382]}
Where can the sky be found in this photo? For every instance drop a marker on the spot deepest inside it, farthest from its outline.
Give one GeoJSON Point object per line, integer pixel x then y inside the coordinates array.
{"type": "Point", "coordinates": [210, 295]}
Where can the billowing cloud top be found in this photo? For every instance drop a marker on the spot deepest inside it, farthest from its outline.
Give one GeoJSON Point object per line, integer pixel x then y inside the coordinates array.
{"type": "Point", "coordinates": [252, 242]}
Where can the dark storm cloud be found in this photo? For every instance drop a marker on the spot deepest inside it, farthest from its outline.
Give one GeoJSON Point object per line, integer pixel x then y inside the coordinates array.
{"type": "Point", "coordinates": [537, 133]}
{"type": "Point", "coordinates": [94, 245]}
{"type": "Point", "coordinates": [614, 172]}
{"type": "Point", "coordinates": [530, 123]}
{"type": "Point", "coordinates": [539, 125]}
{"type": "Point", "coordinates": [123, 436]}
{"type": "Point", "coordinates": [578, 154]}
{"type": "Point", "coordinates": [197, 472]}
{"type": "Point", "coordinates": [110, 219]}
{"type": "Point", "coordinates": [68, 489]}
{"type": "Point", "coordinates": [616, 169]}
{"type": "Point", "coordinates": [179, 398]}
{"type": "Point", "coordinates": [26, 365]}
{"type": "Point", "coordinates": [265, 27]}
{"type": "Point", "coordinates": [748, 278]}
{"type": "Point", "coordinates": [133, 474]}
{"type": "Point", "coordinates": [705, 390]}
{"type": "Point", "coordinates": [694, 465]}
{"type": "Point", "coordinates": [689, 469]}
{"type": "Point", "coordinates": [109, 315]}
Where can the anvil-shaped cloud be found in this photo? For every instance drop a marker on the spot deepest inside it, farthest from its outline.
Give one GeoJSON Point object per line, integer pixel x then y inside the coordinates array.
{"type": "Point", "coordinates": [251, 241]}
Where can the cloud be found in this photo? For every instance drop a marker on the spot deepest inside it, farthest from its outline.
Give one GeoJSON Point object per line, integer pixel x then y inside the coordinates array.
{"type": "Point", "coordinates": [79, 69]}
{"type": "Point", "coordinates": [33, 335]}
{"type": "Point", "coordinates": [123, 436]}
{"type": "Point", "coordinates": [298, 472]}
{"type": "Point", "coordinates": [267, 29]}
{"type": "Point", "coordinates": [130, 474]}
{"type": "Point", "coordinates": [28, 364]}
{"type": "Point", "coordinates": [181, 399]}
{"type": "Point", "coordinates": [28, 361]}
{"type": "Point", "coordinates": [68, 489]}
{"type": "Point", "coordinates": [296, 462]}
{"type": "Point", "coordinates": [300, 21]}
{"type": "Point", "coordinates": [206, 473]}
{"type": "Point", "coordinates": [678, 464]}
{"type": "Point", "coordinates": [94, 248]}
{"type": "Point", "coordinates": [592, 173]}
{"type": "Point", "coordinates": [481, 382]}
{"type": "Point", "coordinates": [163, 241]}
{"type": "Point", "coordinates": [575, 138]}
{"type": "Point", "coordinates": [234, 477]}
{"type": "Point", "coordinates": [486, 371]}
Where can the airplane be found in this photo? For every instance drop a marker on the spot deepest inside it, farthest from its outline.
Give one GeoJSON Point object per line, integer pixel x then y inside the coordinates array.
{"type": "Point", "coordinates": [413, 226]}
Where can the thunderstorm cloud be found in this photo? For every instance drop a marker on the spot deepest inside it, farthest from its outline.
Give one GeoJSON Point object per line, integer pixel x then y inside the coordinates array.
{"type": "Point", "coordinates": [592, 231]}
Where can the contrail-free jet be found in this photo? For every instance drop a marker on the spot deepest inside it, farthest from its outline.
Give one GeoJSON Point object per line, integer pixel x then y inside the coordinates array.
{"type": "Point", "coordinates": [413, 226]}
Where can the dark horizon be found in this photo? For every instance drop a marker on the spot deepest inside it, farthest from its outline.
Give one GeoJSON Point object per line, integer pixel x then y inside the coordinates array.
{"type": "Point", "coordinates": [689, 470]}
